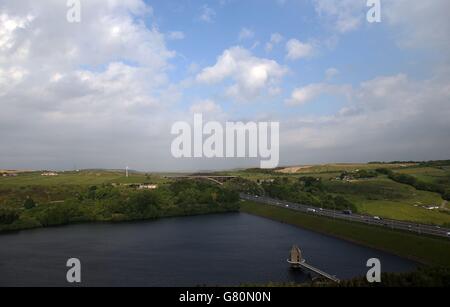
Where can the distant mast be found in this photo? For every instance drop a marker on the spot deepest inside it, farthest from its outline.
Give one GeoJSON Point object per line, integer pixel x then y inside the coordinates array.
{"type": "Point", "coordinates": [126, 171]}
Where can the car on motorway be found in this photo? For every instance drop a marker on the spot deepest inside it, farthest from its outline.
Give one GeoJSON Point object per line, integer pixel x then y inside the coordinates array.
{"type": "Point", "coordinates": [347, 212]}
{"type": "Point", "coordinates": [287, 206]}
{"type": "Point", "coordinates": [377, 218]}
{"type": "Point", "coordinates": [311, 210]}
{"type": "Point", "coordinates": [448, 234]}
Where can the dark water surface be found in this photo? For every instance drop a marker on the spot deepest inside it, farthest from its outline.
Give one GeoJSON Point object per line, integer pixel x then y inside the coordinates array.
{"type": "Point", "coordinates": [226, 249]}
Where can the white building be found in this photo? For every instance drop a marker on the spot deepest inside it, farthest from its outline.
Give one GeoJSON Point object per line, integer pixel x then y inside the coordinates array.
{"type": "Point", "coordinates": [148, 187]}
{"type": "Point", "coordinates": [49, 174]}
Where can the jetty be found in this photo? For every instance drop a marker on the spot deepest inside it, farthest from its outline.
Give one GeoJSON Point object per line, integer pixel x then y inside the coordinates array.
{"type": "Point", "coordinates": [297, 261]}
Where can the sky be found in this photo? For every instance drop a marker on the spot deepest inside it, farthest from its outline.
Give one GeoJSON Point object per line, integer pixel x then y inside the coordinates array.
{"type": "Point", "coordinates": [104, 92]}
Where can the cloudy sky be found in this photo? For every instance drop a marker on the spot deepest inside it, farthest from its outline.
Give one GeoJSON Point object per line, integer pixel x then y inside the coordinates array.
{"type": "Point", "coordinates": [105, 92]}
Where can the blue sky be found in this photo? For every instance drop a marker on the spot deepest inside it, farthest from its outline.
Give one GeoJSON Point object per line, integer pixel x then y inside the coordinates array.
{"type": "Point", "coordinates": [104, 92]}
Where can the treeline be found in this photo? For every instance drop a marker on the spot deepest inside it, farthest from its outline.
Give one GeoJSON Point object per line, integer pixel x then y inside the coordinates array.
{"type": "Point", "coordinates": [308, 191]}
{"type": "Point", "coordinates": [423, 277]}
{"type": "Point", "coordinates": [438, 277]}
{"type": "Point", "coordinates": [12, 195]}
{"type": "Point", "coordinates": [416, 183]}
{"type": "Point", "coordinates": [107, 203]}
{"type": "Point", "coordinates": [438, 163]}
{"type": "Point", "coordinates": [245, 186]}
{"type": "Point", "coordinates": [432, 163]}
{"type": "Point", "coordinates": [394, 162]}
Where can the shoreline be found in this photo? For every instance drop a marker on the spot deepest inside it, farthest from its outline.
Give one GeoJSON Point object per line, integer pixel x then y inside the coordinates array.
{"type": "Point", "coordinates": [327, 227]}
{"type": "Point", "coordinates": [112, 222]}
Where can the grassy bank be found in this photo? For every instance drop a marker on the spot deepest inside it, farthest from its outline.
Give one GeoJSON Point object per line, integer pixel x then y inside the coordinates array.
{"type": "Point", "coordinates": [432, 251]}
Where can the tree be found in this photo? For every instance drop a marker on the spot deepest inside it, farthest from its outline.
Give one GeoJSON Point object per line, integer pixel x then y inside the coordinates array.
{"type": "Point", "coordinates": [29, 204]}
{"type": "Point", "coordinates": [92, 192]}
{"type": "Point", "coordinates": [446, 195]}
{"type": "Point", "coordinates": [342, 203]}
{"type": "Point", "coordinates": [311, 184]}
{"type": "Point", "coordinates": [366, 174]}
{"type": "Point", "coordinates": [145, 204]}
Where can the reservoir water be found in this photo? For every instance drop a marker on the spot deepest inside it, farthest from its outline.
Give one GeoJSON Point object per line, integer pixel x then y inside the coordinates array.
{"type": "Point", "coordinates": [224, 249]}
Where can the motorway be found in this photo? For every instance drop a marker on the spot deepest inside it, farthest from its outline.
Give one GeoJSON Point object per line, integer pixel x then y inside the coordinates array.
{"type": "Point", "coordinates": [421, 229]}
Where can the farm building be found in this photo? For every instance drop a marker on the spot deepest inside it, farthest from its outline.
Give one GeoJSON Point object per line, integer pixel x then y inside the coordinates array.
{"type": "Point", "coordinates": [49, 174]}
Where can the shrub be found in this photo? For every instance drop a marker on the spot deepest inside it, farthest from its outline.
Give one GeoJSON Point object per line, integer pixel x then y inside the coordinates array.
{"type": "Point", "coordinates": [8, 216]}
{"type": "Point", "coordinates": [384, 171]}
{"type": "Point", "coordinates": [29, 204]}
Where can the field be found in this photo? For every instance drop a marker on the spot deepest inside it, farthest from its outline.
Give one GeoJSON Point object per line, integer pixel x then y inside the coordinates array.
{"type": "Point", "coordinates": [386, 198]}
{"type": "Point", "coordinates": [340, 167]}
{"type": "Point", "coordinates": [432, 251]}
{"type": "Point", "coordinates": [379, 196]}
{"type": "Point", "coordinates": [47, 189]}
{"type": "Point", "coordinates": [429, 174]}
{"type": "Point", "coordinates": [76, 178]}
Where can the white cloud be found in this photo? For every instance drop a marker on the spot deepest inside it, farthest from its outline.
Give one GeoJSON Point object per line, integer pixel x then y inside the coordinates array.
{"type": "Point", "coordinates": [302, 95]}
{"type": "Point", "coordinates": [9, 25]}
{"type": "Point", "coordinates": [207, 106]}
{"type": "Point", "coordinates": [255, 45]}
{"type": "Point", "coordinates": [69, 91]}
{"type": "Point", "coordinates": [176, 35]}
{"type": "Point", "coordinates": [246, 33]}
{"type": "Point", "coordinates": [422, 24]}
{"type": "Point", "coordinates": [386, 118]}
{"type": "Point", "coordinates": [207, 14]}
{"type": "Point", "coordinates": [275, 39]}
{"type": "Point", "coordinates": [307, 93]}
{"type": "Point", "coordinates": [252, 76]}
{"type": "Point", "coordinates": [343, 15]}
{"type": "Point", "coordinates": [297, 50]}
{"type": "Point", "coordinates": [330, 73]}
